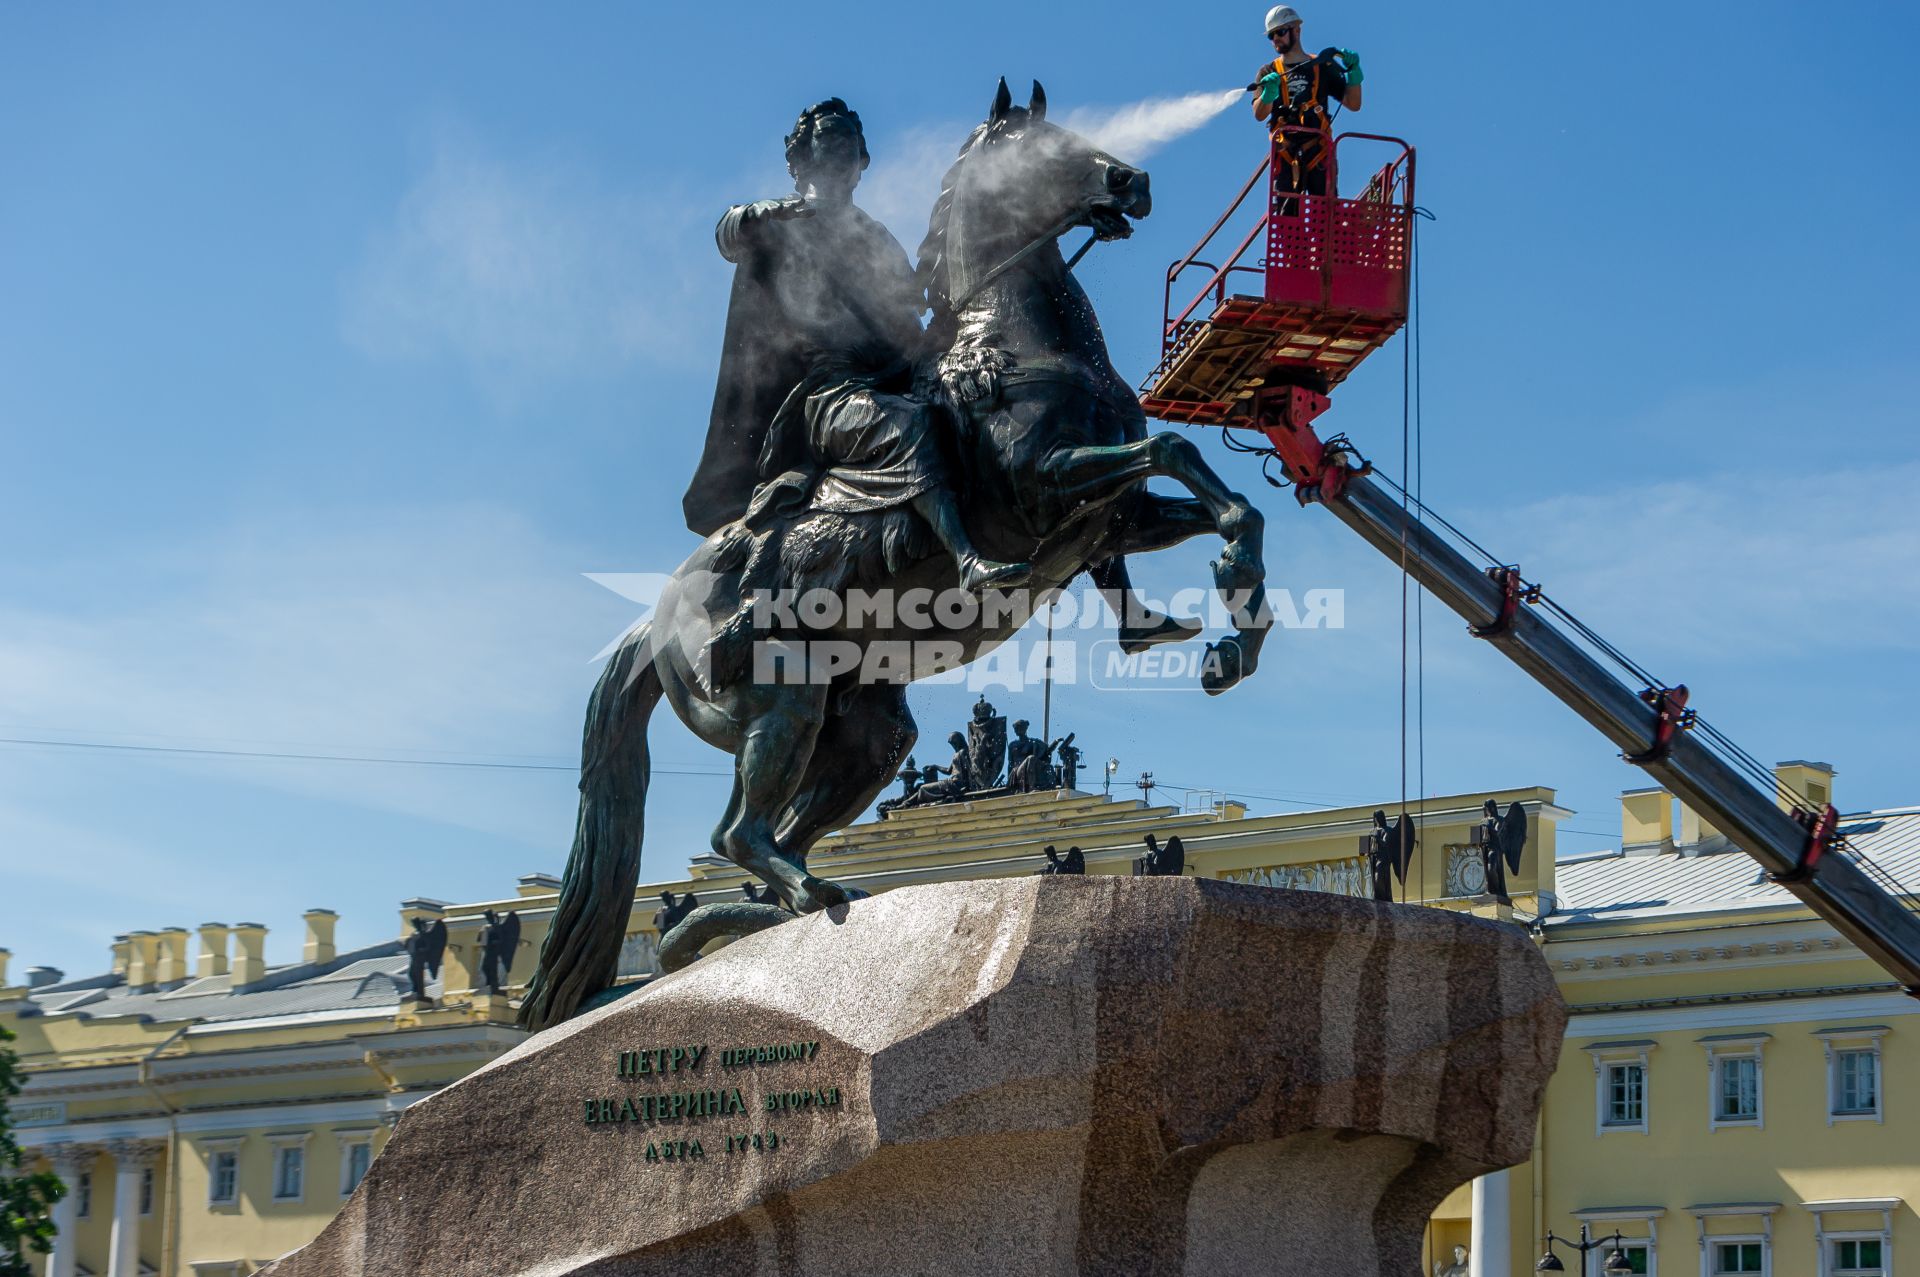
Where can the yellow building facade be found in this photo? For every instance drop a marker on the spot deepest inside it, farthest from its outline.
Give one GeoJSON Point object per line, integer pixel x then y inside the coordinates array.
{"type": "Point", "coordinates": [209, 1118]}
{"type": "Point", "coordinates": [1739, 1091]}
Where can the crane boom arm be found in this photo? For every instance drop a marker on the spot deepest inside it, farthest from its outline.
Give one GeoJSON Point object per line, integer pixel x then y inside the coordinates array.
{"type": "Point", "coordinates": [1838, 890]}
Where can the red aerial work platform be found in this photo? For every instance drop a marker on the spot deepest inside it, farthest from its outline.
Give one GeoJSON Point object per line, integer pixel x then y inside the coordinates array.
{"type": "Point", "coordinates": [1332, 279]}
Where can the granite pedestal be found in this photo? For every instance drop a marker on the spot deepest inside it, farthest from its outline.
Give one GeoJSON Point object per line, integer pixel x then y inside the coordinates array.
{"type": "Point", "coordinates": [1051, 1075]}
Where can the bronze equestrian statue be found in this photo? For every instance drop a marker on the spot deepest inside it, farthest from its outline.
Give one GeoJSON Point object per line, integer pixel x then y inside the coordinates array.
{"type": "Point", "coordinates": [848, 454]}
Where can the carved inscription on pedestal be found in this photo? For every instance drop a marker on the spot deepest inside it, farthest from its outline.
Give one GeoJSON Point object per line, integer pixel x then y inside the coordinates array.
{"type": "Point", "coordinates": [702, 1088]}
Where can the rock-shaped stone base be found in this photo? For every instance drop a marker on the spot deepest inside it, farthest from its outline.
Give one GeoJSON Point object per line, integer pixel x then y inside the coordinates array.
{"type": "Point", "coordinates": [1053, 1075]}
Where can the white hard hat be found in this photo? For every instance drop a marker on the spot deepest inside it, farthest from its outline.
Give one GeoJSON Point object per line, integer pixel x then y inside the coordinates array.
{"type": "Point", "coordinates": [1281, 15]}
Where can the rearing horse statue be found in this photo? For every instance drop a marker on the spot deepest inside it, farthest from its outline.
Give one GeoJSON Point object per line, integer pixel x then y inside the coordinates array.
{"type": "Point", "coordinates": [1054, 455]}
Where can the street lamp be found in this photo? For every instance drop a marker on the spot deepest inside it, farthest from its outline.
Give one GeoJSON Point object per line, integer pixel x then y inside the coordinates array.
{"type": "Point", "coordinates": [1113, 765]}
{"type": "Point", "coordinates": [1614, 1265]}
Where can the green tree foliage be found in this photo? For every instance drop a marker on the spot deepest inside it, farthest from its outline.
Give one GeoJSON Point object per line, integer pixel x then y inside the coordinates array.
{"type": "Point", "coordinates": [24, 1199]}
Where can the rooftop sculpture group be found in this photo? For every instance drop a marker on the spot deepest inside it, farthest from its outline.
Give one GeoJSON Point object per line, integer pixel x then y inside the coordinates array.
{"type": "Point", "coordinates": [978, 758]}
{"type": "Point", "coordinates": [1500, 839]}
{"type": "Point", "coordinates": [426, 946]}
{"type": "Point", "coordinates": [849, 448]}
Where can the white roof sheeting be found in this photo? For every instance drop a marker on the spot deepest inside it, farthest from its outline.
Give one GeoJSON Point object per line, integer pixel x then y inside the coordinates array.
{"type": "Point", "coordinates": [1611, 885]}
{"type": "Point", "coordinates": [369, 981]}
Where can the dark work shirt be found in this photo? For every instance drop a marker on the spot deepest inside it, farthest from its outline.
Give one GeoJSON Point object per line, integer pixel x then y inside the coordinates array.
{"type": "Point", "coordinates": [1312, 86]}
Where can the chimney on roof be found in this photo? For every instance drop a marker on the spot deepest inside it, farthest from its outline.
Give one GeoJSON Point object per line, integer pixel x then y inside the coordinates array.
{"type": "Point", "coordinates": [538, 885]}
{"type": "Point", "coordinates": [249, 954]}
{"type": "Point", "coordinates": [1811, 783]}
{"type": "Point", "coordinates": [143, 959]}
{"type": "Point", "coordinates": [172, 966]}
{"type": "Point", "coordinates": [213, 949]}
{"type": "Point", "coordinates": [1695, 829]}
{"type": "Point", "coordinates": [6, 955]}
{"type": "Point", "coordinates": [420, 907]}
{"type": "Point", "coordinates": [319, 946]}
{"type": "Point", "coordinates": [1646, 821]}
{"type": "Point", "coordinates": [41, 977]}
{"type": "Point", "coordinates": [121, 957]}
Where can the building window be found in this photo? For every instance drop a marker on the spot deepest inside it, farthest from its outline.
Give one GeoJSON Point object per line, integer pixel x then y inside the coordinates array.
{"type": "Point", "coordinates": [223, 1177]}
{"type": "Point", "coordinates": [146, 1191]}
{"type": "Point", "coordinates": [1854, 1076]}
{"type": "Point", "coordinates": [1736, 1092]}
{"type": "Point", "coordinates": [289, 1172]}
{"type": "Point", "coordinates": [1859, 1082]}
{"type": "Point", "coordinates": [83, 1194]}
{"type": "Point", "coordinates": [1620, 1081]}
{"type": "Point", "coordinates": [1852, 1249]}
{"type": "Point", "coordinates": [354, 1160]}
{"type": "Point", "coordinates": [1749, 1252]}
{"type": "Point", "coordinates": [1626, 1098]}
{"type": "Point", "coordinates": [1736, 1080]}
{"type": "Point", "coordinates": [1855, 1257]}
{"type": "Point", "coordinates": [1739, 1257]}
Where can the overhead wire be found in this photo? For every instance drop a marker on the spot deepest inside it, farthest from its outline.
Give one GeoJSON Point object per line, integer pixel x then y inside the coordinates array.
{"type": "Point", "coordinates": [1412, 463]}
{"type": "Point", "coordinates": [1418, 342]}
{"type": "Point", "coordinates": [294, 756]}
{"type": "Point", "coordinates": [1406, 467]}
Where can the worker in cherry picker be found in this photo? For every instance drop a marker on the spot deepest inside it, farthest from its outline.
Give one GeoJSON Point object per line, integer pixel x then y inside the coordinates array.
{"type": "Point", "coordinates": [1293, 92]}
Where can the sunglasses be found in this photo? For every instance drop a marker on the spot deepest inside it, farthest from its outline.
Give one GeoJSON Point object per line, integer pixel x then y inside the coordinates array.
{"type": "Point", "coordinates": [1289, 31]}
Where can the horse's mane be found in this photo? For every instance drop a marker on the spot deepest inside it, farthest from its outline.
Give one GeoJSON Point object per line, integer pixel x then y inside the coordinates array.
{"type": "Point", "coordinates": [934, 271]}
{"type": "Point", "coordinates": [936, 268]}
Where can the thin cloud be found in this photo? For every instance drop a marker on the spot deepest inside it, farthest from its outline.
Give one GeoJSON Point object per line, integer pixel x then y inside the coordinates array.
{"type": "Point", "coordinates": [1736, 565]}
{"type": "Point", "coordinates": [452, 629]}
{"type": "Point", "coordinates": [525, 270]}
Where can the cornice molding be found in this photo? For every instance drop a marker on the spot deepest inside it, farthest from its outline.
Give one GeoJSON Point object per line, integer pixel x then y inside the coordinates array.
{"type": "Point", "coordinates": [1787, 943]}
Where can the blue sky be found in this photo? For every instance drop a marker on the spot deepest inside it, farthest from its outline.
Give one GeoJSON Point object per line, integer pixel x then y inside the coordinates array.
{"type": "Point", "coordinates": [340, 344]}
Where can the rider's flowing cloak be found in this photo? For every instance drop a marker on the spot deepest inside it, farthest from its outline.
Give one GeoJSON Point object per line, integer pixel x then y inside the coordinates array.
{"type": "Point", "coordinates": [829, 289]}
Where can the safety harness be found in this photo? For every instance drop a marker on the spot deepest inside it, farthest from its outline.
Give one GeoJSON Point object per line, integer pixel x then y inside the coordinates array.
{"type": "Point", "coordinates": [1308, 114]}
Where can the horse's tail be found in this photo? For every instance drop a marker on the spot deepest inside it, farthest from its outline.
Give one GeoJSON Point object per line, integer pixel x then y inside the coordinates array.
{"type": "Point", "coordinates": [680, 946]}
{"type": "Point", "coordinates": [581, 954]}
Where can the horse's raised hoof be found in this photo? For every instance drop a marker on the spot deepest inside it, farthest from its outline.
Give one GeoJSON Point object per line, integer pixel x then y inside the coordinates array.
{"type": "Point", "coordinates": [1227, 662]}
{"type": "Point", "coordinates": [1238, 571]}
{"type": "Point", "coordinates": [1166, 629]}
{"type": "Point", "coordinates": [815, 894]}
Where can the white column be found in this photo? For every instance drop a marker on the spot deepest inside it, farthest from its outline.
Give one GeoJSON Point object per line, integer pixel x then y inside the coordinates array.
{"type": "Point", "coordinates": [1492, 1237]}
{"type": "Point", "coordinates": [131, 1160]}
{"type": "Point", "coordinates": [69, 1161]}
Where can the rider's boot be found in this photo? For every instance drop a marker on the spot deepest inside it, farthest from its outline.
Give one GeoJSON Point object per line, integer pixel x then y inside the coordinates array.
{"type": "Point", "coordinates": [1141, 626]}
{"type": "Point", "coordinates": [942, 514]}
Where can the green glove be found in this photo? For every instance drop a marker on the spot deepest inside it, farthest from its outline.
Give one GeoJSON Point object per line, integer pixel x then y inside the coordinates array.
{"type": "Point", "coordinates": [1270, 87]}
{"type": "Point", "coordinates": [1351, 60]}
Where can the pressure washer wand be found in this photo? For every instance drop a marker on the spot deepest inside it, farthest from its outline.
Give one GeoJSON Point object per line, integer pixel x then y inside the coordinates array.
{"type": "Point", "coordinates": [1321, 56]}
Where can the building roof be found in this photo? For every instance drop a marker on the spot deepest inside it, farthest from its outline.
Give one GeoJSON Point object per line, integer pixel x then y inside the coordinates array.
{"type": "Point", "coordinates": [370, 981]}
{"type": "Point", "coordinates": [1614, 885]}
